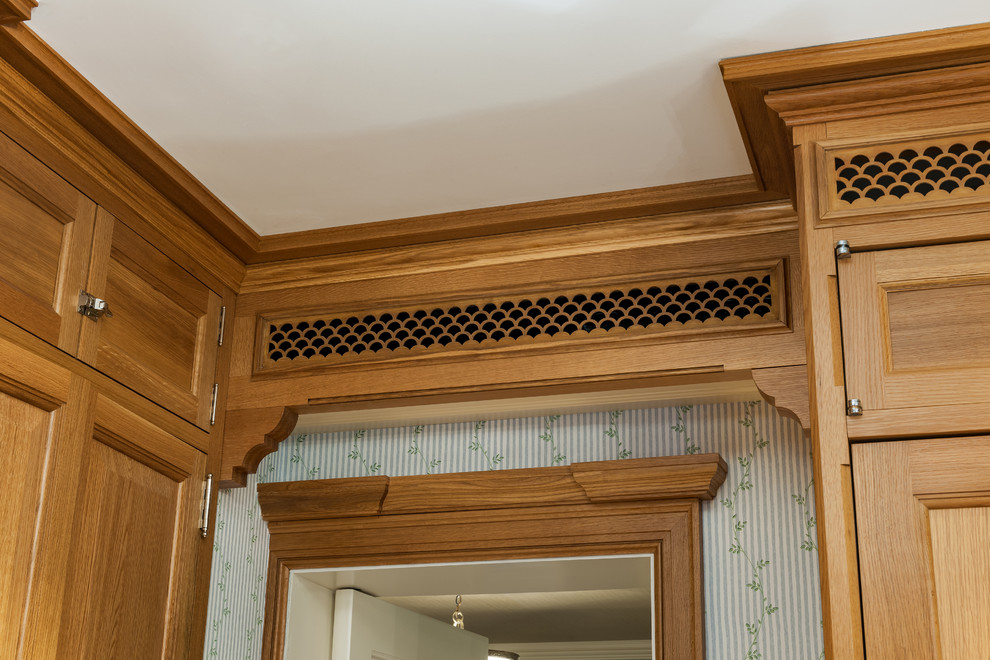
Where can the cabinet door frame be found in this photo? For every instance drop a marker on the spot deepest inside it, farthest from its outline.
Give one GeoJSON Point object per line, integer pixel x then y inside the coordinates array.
{"type": "Point", "coordinates": [34, 382]}
{"type": "Point", "coordinates": [192, 403]}
{"type": "Point", "coordinates": [899, 486]}
{"type": "Point", "coordinates": [74, 555]}
{"type": "Point", "coordinates": [37, 191]}
{"type": "Point", "coordinates": [914, 401]}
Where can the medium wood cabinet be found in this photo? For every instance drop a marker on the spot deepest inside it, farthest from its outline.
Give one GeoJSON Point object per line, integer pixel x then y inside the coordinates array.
{"type": "Point", "coordinates": [162, 337]}
{"type": "Point", "coordinates": [916, 339]}
{"type": "Point", "coordinates": [108, 486]}
{"type": "Point", "coordinates": [106, 422]}
{"type": "Point", "coordinates": [161, 333]}
{"type": "Point", "coordinates": [46, 228]}
{"type": "Point", "coordinates": [883, 145]}
{"type": "Point", "coordinates": [105, 519]}
{"type": "Point", "coordinates": [32, 406]}
{"type": "Point", "coordinates": [923, 527]}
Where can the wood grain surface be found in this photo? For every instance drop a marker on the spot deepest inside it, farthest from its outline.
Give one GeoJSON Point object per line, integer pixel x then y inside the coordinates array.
{"type": "Point", "coordinates": [921, 510]}
{"type": "Point", "coordinates": [505, 514]}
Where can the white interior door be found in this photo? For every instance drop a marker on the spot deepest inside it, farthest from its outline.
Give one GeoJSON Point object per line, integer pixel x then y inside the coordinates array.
{"type": "Point", "coordinates": [366, 628]}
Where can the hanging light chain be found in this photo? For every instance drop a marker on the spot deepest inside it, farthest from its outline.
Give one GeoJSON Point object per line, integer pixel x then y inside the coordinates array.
{"type": "Point", "coordinates": [458, 616]}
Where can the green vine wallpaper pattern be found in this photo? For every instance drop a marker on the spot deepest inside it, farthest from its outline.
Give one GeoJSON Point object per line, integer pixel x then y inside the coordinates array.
{"type": "Point", "coordinates": [491, 459]}
{"type": "Point", "coordinates": [761, 571]}
{"type": "Point", "coordinates": [756, 566]}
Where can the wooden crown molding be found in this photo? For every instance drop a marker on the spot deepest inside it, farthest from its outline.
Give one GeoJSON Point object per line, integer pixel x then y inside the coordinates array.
{"type": "Point", "coordinates": [733, 222]}
{"type": "Point", "coordinates": [31, 58]}
{"type": "Point", "coordinates": [41, 66]}
{"type": "Point", "coordinates": [904, 92]}
{"type": "Point", "coordinates": [748, 80]}
{"type": "Point", "coordinates": [15, 11]}
{"type": "Point", "coordinates": [514, 218]}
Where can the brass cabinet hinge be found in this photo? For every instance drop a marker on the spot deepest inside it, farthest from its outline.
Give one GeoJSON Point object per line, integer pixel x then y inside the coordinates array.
{"type": "Point", "coordinates": [213, 404]}
{"type": "Point", "coordinates": [204, 527]}
{"type": "Point", "coordinates": [854, 408]}
{"type": "Point", "coordinates": [223, 318]}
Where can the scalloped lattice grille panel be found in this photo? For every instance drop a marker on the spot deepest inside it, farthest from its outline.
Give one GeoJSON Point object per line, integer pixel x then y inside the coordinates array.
{"type": "Point", "coordinates": [698, 304]}
{"type": "Point", "coordinates": [911, 172]}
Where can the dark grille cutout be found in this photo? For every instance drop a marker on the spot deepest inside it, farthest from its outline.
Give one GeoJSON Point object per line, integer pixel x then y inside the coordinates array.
{"type": "Point", "coordinates": [724, 301]}
{"type": "Point", "coordinates": [913, 172]}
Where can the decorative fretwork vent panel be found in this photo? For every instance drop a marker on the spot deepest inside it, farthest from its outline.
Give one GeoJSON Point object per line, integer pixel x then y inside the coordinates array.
{"type": "Point", "coordinates": [722, 302]}
{"type": "Point", "coordinates": [909, 172]}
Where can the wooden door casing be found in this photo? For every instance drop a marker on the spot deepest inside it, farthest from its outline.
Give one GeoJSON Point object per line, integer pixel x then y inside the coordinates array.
{"type": "Point", "coordinates": [46, 227]}
{"type": "Point", "coordinates": [162, 338]}
{"type": "Point", "coordinates": [647, 506]}
{"type": "Point", "coordinates": [916, 339]}
{"type": "Point", "coordinates": [923, 529]}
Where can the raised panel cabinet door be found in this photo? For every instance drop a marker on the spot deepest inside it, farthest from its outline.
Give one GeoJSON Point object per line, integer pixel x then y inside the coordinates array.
{"type": "Point", "coordinates": [161, 339]}
{"type": "Point", "coordinates": [119, 543]}
{"type": "Point", "coordinates": [33, 395]}
{"type": "Point", "coordinates": [916, 339]}
{"type": "Point", "coordinates": [46, 227]}
{"type": "Point", "coordinates": [923, 530]}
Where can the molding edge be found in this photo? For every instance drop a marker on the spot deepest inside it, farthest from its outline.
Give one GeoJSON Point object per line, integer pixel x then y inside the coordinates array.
{"type": "Point", "coordinates": [513, 218]}
{"type": "Point", "coordinates": [16, 11]}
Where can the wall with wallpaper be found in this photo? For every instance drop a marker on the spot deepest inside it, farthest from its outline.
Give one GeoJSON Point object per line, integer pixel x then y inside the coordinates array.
{"type": "Point", "coordinates": [760, 561]}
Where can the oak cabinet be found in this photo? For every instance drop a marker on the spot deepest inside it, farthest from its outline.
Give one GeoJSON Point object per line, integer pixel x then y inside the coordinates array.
{"type": "Point", "coordinates": [160, 335]}
{"type": "Point", "coordinates": [46, 227]}
{"type": "Point", "coordinates": [916, 339]}
{"type": "Point", "coordinates": [923, 527]}
{"type": "Point", "coordinates": [32, 404]}
{"type": "Point", "coordinates": [105, 507]}
{"type": "Point", "coordinates": [105, 521]}
{"type": "Point", "coordinates": [916, 350]}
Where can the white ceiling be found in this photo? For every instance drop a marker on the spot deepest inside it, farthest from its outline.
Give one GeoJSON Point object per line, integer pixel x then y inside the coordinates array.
{"type": "Point", "coordinates": [317, 113]}
{"type": "Point", "coordinates": [527, 601]}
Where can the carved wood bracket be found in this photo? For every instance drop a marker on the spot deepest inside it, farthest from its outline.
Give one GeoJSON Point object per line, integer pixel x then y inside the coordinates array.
{"type": "Point", "coordinates": [786, 388]}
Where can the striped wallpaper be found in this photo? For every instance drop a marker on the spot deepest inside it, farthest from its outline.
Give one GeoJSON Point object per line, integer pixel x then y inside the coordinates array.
{"type": "Point", "coordinates": [760, 561]}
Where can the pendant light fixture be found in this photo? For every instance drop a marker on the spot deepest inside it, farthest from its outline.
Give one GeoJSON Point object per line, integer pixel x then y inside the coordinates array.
{"type": "Point", "coordinates": [458, 622]}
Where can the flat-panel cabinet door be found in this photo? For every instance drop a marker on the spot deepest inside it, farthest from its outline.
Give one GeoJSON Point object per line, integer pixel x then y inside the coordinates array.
{"type": "Point", "coordinates": [45, 232]}
{"type": "Point", "coordinates": [33, 397]}
{"type": "Point", "coordinates": [160, 336]}
{"type": "Point", "coordinates": [916, 339]}
{"type": "Point", "coordinates": [923, 528]}
{"type": "Point", "coordinates": [119, 541]}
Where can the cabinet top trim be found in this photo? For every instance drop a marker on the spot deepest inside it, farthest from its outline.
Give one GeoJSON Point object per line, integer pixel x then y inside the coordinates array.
{"type": "Point", "coordinates": [696, 476]}
{"type": "Point", "coordinates": [749, 79]}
